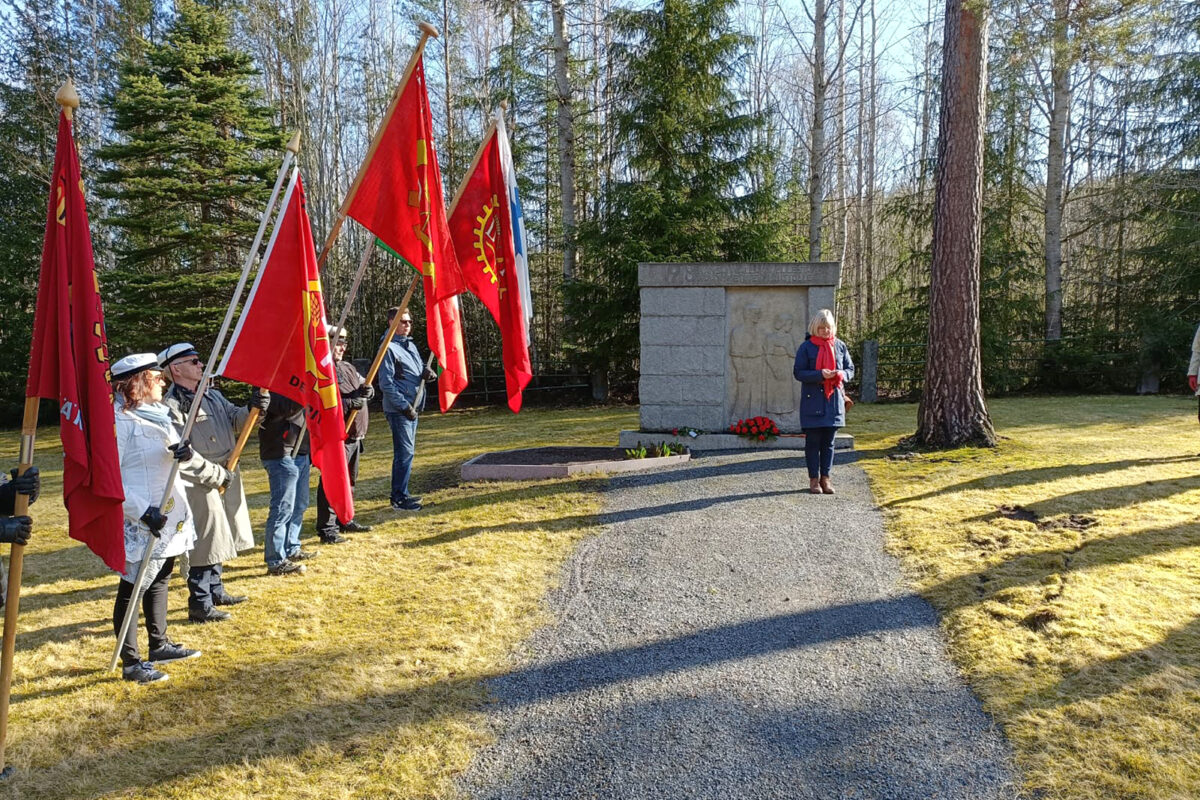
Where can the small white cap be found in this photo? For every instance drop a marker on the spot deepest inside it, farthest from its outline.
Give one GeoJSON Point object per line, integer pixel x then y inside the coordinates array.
{"type": "Point", "coordinates": [131, 365]}
{"type": "Point", "coordinates": [175, 352]}
{"type": "Point", "coordinates": [332, 332]}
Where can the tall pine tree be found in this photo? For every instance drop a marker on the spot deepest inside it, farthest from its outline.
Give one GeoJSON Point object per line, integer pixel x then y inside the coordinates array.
{"type": "Point", "coordinates": [685, 192]}
{"type": "Point", "coordinates": [191, 173]}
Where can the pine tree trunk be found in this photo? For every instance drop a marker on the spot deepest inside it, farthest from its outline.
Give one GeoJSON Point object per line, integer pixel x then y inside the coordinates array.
{"type": "Point", "coordinates": [952, 411]}
{"type": "Point", "coordinates": [566, 137]}
{"type": "Point", "coordinates": [1055, 170]}
{"type": "Point", "coordinates": [816, 155]}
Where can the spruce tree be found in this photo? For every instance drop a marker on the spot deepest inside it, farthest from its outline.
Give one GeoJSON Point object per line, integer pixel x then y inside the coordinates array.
{"type": "Point", "coordinates": [191, 172]}
{"type": "Point", "coordinates": [685, 193]}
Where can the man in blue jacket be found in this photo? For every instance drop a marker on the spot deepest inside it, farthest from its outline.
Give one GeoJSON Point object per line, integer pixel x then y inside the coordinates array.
{"type": "Point", "coordinates": [400, 376]}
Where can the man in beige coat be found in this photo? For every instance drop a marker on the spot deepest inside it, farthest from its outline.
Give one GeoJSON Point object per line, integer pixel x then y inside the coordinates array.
{"type": "Point", "coordinates": [222, 520]}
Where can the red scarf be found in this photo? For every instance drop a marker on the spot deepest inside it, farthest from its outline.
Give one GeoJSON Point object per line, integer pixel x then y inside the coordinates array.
{"type": "Point", "coordinates": [827, 360]}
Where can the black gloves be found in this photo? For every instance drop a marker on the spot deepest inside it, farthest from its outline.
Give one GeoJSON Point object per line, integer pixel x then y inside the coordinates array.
{"type": "Point", "coordinates": [182, 451]}
{"type": "Point", "coordinates": [411, 413]}
{"type": "Point", "coordinates": [428, 374]}
{"type": "Point", "coordinates": [364, 392]}
{"type": "Point", "coordinates": [228, 479]}
{"type": "Point", "coordinates": [15, 530]}
{"type": "Point", "coordinates": [155, 520]}
{"type": "Point", "coordinates": [30, 483]}
{"type": "Point", "coordinates": [356, 403]}
{"type": "Point", "coordinates": [260, 399]}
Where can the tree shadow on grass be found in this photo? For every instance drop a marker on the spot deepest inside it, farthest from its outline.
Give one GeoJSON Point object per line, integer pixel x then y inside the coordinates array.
{"type": "Point", "coordinates": [1105, 497]}
{"type": "Point", "coordinates": [1031, 569]}
{"type": "Point", "coordinates": [1023, 477]}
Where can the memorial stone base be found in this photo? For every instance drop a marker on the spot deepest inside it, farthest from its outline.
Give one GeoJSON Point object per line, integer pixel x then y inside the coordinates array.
{"type": "Point", "coordinates": [728, 441]}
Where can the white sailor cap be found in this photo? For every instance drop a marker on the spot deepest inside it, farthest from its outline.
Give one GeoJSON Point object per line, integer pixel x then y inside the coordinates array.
{"type": "Point", "coordinates": [332, 331]}
{"type": "Point", "coordinates": [132, 364]}
{"type": "Point", "coordinates": [176, 352]}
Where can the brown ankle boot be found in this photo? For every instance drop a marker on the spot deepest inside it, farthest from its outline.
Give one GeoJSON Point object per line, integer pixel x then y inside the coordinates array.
{"type": "Point", "coordinates": [825, 487]}
{"type": "Point", "coordinates": [814, 486]}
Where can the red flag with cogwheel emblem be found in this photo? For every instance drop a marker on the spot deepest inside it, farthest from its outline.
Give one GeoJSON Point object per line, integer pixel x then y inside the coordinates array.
{"type": "Point", "coordinates": [281, 343]}
{"type": "Point", "coordinates": [482, 231]}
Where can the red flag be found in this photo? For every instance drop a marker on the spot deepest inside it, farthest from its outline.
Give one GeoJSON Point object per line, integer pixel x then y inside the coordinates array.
{"type": "Point", "coordinates": [482, 231]}
{"type": "Point", "coordinates": [68, 363]}
{"type": "Point", "coordinates": [399, 199]}
{"type": "Point", "coordinates": [282, 345]}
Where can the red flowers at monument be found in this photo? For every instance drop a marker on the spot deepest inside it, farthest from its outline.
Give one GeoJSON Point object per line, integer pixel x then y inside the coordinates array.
{"type": "Point", "coordinates": [756, 429]}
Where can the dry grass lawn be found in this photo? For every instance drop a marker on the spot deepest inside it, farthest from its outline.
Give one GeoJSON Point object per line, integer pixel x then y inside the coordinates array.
{"type": "Point", "coordinates": [360, 679]}
{"type": "Point", "coordinates": [1066, 565]}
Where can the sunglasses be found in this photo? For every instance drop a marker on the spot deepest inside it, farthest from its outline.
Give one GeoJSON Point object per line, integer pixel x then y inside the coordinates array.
{"type": "Point", "coordinates": [195, 362]}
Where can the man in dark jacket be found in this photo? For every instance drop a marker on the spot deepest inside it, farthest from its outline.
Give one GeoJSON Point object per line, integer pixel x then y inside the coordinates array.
{"type": "Point", "coordinates": [16, 530]}
{"type": "Point", "coordinates": [288, 468]}
{"type": "Point", "coordinates": [355, 393]}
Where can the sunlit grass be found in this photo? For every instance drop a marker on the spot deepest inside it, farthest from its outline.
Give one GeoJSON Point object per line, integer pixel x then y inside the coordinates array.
{"type": "Point", "coordinates": [1066, 566]}
{"type": "Point", "coordinates": [360, 679]}
{"type": "Point", "coordinates": [1065, 563]}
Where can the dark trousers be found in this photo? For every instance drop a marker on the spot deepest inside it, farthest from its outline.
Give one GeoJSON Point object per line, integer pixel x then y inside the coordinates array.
{"type": "Point", "coordinates": [154, 606]}
{"type": "Point", "coordinates": [327, 521]}
{"type": "Point", "coordinates": [204, 586]}
{"type": "Point", "coordinates": [818, 451]}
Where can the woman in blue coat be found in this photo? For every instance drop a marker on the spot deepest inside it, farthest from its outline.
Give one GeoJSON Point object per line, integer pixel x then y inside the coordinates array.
{"type": "Point", "coordinates": [822, 366]}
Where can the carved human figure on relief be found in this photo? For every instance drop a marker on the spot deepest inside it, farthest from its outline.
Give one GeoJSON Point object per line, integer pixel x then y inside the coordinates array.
{"type": "Point", "coordinates": [747, 351]}
{"type": "Point", "coordinates": [781, 354]}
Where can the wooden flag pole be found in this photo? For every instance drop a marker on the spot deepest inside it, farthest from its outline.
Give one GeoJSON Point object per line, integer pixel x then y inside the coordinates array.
{"type": "Point", "coordinates": [68, 99]}
{"type": "Point", "coordinates": [16, 562]}
{"type": "Point", "coordinates": [383, 346]}
{"type": "Point", "coordinates": [293, 148]}
{"type": "Point", "coordinates": [427, 32]}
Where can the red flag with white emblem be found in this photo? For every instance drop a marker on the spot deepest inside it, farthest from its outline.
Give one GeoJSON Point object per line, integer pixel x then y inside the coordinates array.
{"type": "Point", "coordinates": [281, 343]}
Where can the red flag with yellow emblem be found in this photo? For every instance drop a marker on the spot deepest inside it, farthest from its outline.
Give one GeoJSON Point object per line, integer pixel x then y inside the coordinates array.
{"type": "Point", "coordinates": [482, 230]}
{"type": "Point", "coordinates": [281, 343]}
{"type": "Point", "coordinates": [68, 363]}
{"type": "Point", "coordinates": [399, 199]}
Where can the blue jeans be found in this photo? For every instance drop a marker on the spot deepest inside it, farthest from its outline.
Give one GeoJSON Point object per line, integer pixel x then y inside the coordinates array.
{"type": "Point", "coordinates": [289, 500]}
{"type": "Point", "coordinates": [404, 444]}
{"type": "Point", "coordinates": [818, 451]}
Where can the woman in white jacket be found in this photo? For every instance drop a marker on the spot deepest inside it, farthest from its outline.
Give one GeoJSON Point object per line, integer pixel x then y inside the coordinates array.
{"type": "Point", "coordinates": [147, 443]}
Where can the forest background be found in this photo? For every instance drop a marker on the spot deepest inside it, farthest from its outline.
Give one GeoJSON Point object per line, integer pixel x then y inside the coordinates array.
{"type": "Point", "coordinates": [678, 130]}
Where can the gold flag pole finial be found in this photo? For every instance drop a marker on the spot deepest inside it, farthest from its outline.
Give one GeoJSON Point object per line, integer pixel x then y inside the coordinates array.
{"type": "Point", "coordinates": [503, 106]}
{"type": "Point", "coordinates": [293, 144]}
{"type": "Point", "coordinates": [67, 97]}
{"type": "Point", "coordinates": [429, 29]}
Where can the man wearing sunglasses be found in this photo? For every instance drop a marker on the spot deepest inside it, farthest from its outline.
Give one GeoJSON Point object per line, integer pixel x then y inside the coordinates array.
{"type": "Point", "coordinates": [222, 520]}
{"type": "Point", "coordinates": [400, 375]}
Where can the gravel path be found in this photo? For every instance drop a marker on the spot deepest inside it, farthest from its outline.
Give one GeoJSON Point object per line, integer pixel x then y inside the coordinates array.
{"type": "Point", "coordinates": [729, 635]}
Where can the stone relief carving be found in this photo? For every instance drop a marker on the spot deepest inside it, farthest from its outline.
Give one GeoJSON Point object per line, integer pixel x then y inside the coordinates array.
{"type": "Point", "coordinates": [766, 329]}
{"type": "Point", "coordinates": [747, 351]}
{"type": "Point", "coordinates": [782, 344]}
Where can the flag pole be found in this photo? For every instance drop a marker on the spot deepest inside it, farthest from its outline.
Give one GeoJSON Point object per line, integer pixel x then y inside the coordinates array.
{"type": "Point", "coordinates": [383, 346]}
{"type": "Point", "coordinates": [68, 99]}
{"type": "Point", "coordinates": [427, 32]}
{"type": "Point", "coordinates": [16, 560]}
{"type": "Point", "coordinates": [293, 147]}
